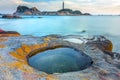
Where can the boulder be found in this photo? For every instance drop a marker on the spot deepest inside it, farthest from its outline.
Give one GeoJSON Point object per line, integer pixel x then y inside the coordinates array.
{"type": "Point", "coordinates": [8, 33]}
{"type": "Point", "coordinates": [9, 16]}
{"type": "Point", "coordinates": [101, 42]}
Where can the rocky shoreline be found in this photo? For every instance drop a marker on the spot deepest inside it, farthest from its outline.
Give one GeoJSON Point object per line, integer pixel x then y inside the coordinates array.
{"type": "Point", "coordinates": [15, 50]}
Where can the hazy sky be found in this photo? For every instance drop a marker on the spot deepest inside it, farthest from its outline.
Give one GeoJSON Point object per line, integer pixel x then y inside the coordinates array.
{"type": "Point", "coordinates": [91, 6]}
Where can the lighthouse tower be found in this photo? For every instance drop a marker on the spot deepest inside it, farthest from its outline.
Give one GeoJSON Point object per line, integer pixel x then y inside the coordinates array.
{"type": "Point", "coordinates": [63, 7]}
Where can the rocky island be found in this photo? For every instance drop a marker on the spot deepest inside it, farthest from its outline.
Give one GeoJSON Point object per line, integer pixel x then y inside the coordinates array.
{"type": "Point", "coordinates": [24, 10]}
{"type": "Point", "coordinates": [17, 52]}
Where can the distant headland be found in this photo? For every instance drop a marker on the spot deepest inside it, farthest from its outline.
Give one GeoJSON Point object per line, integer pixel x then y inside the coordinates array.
{"type": "Point", "coordinates": [24, 10]}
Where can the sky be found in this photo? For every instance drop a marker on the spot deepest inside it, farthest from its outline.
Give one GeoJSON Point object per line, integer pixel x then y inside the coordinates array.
{"type": "Point", "coordinates": [97, 7]}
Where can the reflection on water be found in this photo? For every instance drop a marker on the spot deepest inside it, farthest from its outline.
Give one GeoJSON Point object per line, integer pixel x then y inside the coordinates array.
{"type": "Point", "coordinates": [60, 60]}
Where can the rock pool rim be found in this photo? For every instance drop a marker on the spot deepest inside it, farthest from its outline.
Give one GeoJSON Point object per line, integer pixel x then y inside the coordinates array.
{"type": "Point", "coordinates": [40, 50]}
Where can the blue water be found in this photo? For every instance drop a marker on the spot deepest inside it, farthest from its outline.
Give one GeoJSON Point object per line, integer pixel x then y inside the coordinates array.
{"type": "Point", "coordinates": [60, 60]}
{"type": "Point", "coordinates": [63, 25]}
{"type": "Point", "coordinates": [93, 25]}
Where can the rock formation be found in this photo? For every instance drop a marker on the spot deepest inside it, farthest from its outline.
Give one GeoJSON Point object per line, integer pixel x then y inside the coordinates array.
{"type": "Point", "coordinates": [8, 33]}
{"type": "Point", "coordinates": [15, 52]}
{"type": "Point", "coordinates": [10, 16]}
{"type": "Point", "coordinates": [69, 12]}
{"type": "Point", "coordinates": [23, 10]}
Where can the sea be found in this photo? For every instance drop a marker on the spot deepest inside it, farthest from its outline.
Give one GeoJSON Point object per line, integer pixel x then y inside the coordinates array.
{"type": "Point", "coordinates": [108, 26]}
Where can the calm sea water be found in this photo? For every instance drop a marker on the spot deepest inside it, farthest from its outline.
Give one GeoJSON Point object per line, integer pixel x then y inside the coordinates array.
{"type": "Point", "coordinates": [93, 25]}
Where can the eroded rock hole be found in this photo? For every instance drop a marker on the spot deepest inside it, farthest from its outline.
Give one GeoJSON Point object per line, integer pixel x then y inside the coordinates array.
{"type": "Point", "coordinates": [60, 60]}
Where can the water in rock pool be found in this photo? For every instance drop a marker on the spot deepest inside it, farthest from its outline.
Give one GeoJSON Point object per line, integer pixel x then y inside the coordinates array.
{"type": "Point", "coordinates": [60, 60]}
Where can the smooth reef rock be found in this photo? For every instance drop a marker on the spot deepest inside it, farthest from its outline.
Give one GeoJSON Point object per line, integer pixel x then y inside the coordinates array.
{"type": "Point", "coordinates": [16, 51]}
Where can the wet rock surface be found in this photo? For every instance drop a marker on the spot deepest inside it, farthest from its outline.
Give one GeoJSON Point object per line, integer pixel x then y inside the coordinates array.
{"type": "Point", "coordinates": [17, 50]}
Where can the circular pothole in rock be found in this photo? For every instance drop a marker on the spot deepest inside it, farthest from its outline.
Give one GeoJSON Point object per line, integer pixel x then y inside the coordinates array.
{"type": "Point", "coordinates": [60, 60]}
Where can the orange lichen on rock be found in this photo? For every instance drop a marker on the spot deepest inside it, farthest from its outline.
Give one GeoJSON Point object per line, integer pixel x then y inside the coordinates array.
{"type": "Point", "coordinates": [3, 39]}
{"type": "Point", "coordinates": [8, 35]}
{"type": "Point", "coordinates": [109, 46]}
{"type": "Point", "coordinates": [36, 46]}
{"type": "Point", "coordinates": [22, 52]}
{"type": "Point", "coordinates": [43, 45]}
{"type": "Point", "coordinates": [50, 77]}
{"type": "Point", "coordinates": [2, 46]}
{"type": "Point", "coordinates": [47, 39]}
{"type": "Point", "coordinates": [21, 65]}
{"type": "Point", "coordinates": [14, 54]}
{"type": "Point", "coordinates": [26, 48]}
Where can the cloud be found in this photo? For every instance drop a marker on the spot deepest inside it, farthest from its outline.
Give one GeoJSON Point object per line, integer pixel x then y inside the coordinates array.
{"type": "Point", "coordinates": [92, 6]}
{"type": "Point", "coordinates": [32, 0]}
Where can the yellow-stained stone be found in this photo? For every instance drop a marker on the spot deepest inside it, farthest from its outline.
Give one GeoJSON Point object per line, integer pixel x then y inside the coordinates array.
{"type": "Point", "coordinates": [50, 77]}
{"type": "Point", "coordinates": [21, 65]}
{"type": "Point", "coordinates": [2, 46]}
{"type": "Point", "coordinates": [43, 45]}
{"type": "Point", "coordinates": [106, 46]}
{"type": "Point", "coordinates": [36, 46]}
{"type": "Point", "coordinates": [85, 79]}
{"type": "Point", "coordinates": [9, 35]}
{"type": "Point", "coordinates": [110, 47]}
{"type": "Point", "coordinates": [2, 39]}
{"type": "Point", "coordinates": [47, 39]}
{"type": "Point", "coordinates": [14, 54]}
{"type": "Point", "coordinates": [20, 51]}
{"type": "Point", "coordinates": [26, 48]}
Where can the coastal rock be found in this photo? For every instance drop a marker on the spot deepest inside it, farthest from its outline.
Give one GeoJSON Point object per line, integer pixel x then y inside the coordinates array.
{"type": "Point", "coordinates": [23, 10]}
{"type": "Point", "coordinates": [77, 12]}
{"type": "Point", "coordinates": [69, 12]}
{"type": "Point", "coordinates": [8, 33]}
{"type": "Point", "coordinates": [9, 16]}
{"type": "Point", "coordinates": [86, 14]}
{"type": "Point", "coordinates": [14, 58]}
{"type": "Point", "coordinates": [102, 43]}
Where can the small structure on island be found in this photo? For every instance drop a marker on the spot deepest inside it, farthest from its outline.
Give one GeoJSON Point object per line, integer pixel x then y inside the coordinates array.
{"type": "Point", "coordinates": [63, 7]}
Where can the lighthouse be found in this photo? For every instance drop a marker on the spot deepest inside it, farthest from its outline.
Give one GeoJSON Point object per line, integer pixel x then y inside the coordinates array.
{"type": "Point", "coordinates": [63, 7]}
